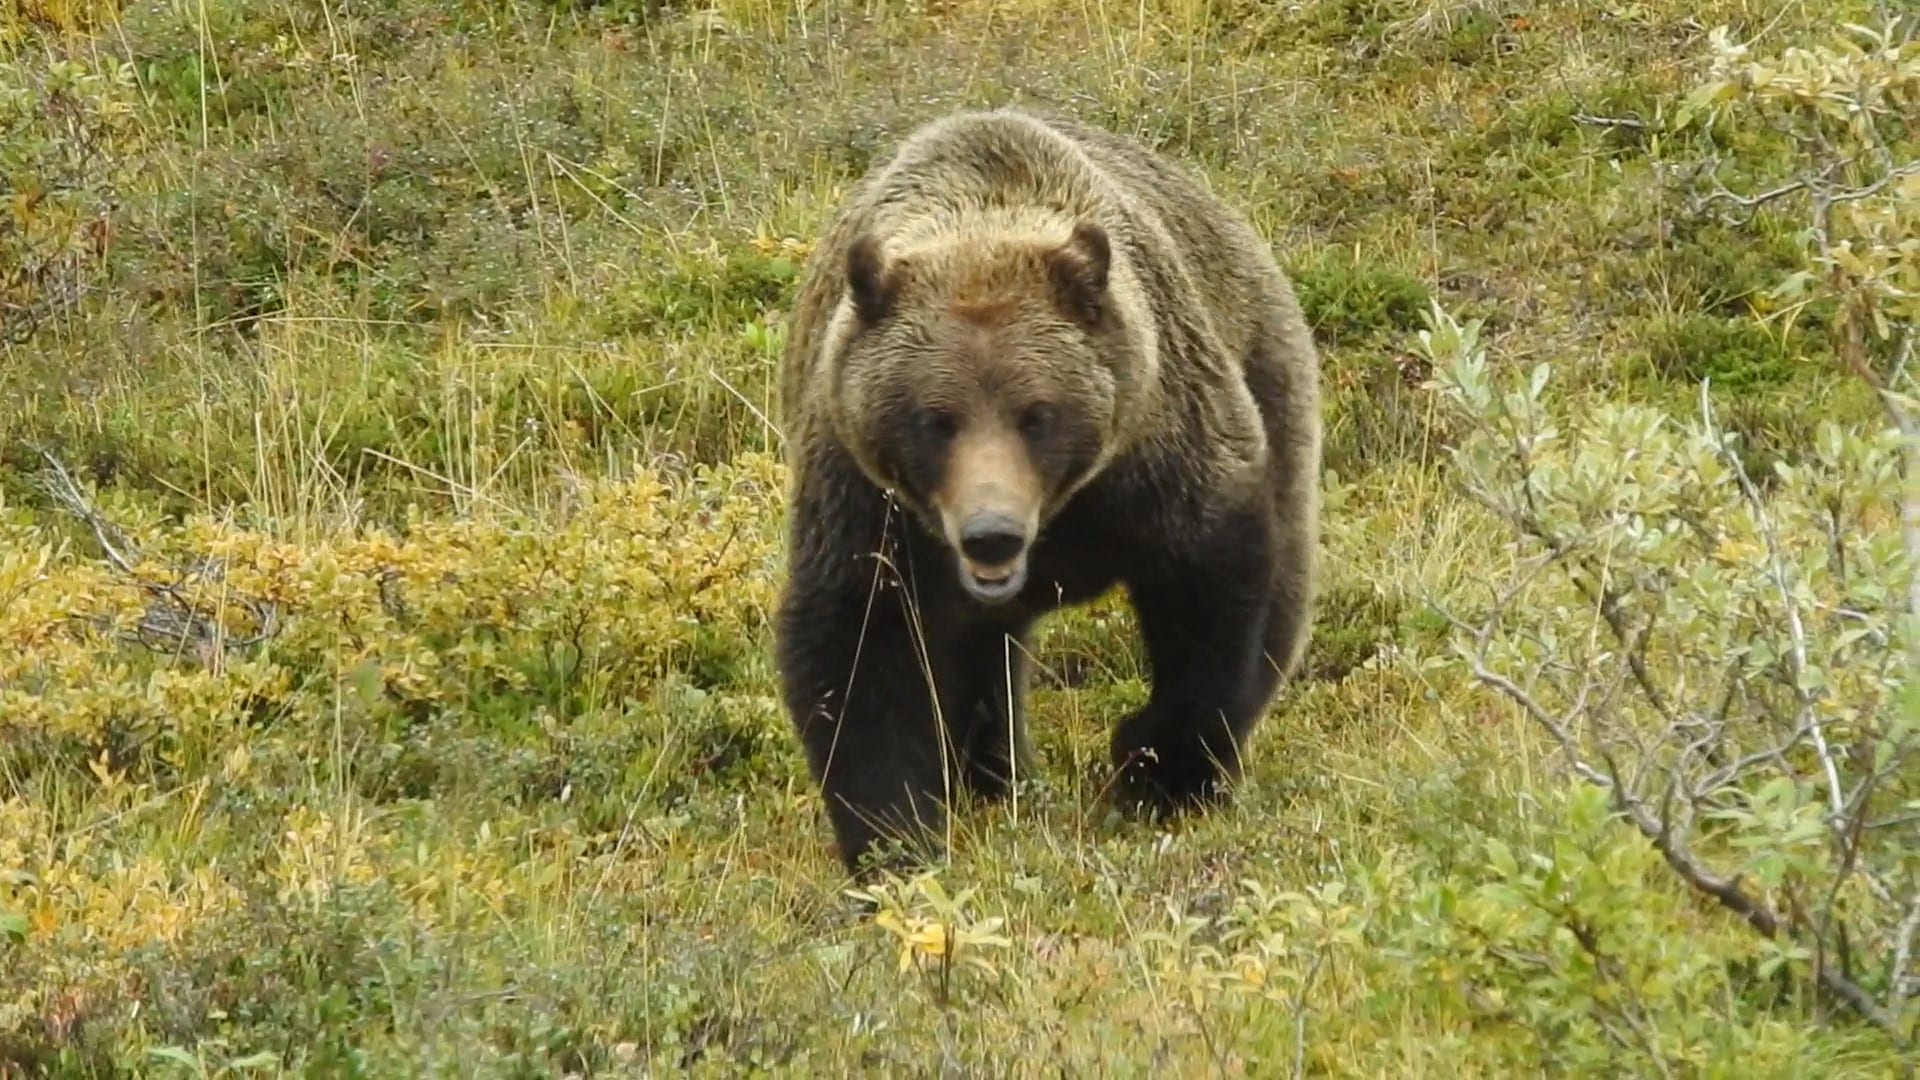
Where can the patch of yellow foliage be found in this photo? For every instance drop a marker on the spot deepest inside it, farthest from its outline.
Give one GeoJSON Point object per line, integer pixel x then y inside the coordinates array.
{"type": "Point", "coordinates": [932, 926]}
{"type": "Point", "coordinates": [626, 579]}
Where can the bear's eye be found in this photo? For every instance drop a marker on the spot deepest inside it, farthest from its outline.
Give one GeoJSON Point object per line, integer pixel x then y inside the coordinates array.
{"type": "Point", "coordinates": [1035, 419]}
{"type": "Point", "coordinates": [938, 423]}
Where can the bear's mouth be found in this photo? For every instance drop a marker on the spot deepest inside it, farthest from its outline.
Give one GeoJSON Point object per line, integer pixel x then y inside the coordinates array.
{"type": "Point", "coordinates": [993, 584]}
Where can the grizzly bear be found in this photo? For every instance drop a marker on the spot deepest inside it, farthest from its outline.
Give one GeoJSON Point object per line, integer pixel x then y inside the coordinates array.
{"type": "Point", "coordinates": [1030, 360]}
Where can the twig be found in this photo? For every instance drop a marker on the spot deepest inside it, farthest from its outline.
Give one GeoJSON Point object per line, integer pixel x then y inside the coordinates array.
{"type": "Point", "coordinates": [1818, 186]}
{"type": "Point", "coordinates": [1722, 193]}
{"type": "Point", "coordinates": [1796, 631]}
{"type": "Point", "coordinates": [1609, 121]}
{"type": "Point", "coordinates": [67, 493]}
{"type": "Point", "coordinates": [1541, 716]}
{"type": "Point", "coordinates": [176, 619]}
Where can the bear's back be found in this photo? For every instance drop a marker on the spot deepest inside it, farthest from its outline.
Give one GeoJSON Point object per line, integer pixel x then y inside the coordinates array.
{"type": "Point", "coordinates": [1191, 250]}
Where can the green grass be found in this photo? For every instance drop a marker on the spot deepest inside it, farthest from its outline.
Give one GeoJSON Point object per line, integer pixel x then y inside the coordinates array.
{"type": "Point", "coordinates": [479, 291]}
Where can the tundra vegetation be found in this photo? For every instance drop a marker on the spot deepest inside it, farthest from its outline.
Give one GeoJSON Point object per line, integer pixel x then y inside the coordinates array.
{"type": "Point", "coordinates": [390, 505]}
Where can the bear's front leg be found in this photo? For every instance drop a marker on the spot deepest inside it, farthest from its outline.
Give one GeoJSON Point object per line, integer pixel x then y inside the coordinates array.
{"type": "Point", "coordinates": [1204, 618]}
{"type": "Point", "coordinates": [857, 689]}
{"type": "Point", "coordinates": [996, 750]}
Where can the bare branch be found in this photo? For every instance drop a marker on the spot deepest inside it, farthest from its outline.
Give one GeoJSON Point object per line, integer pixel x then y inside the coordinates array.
{"type": "Point", "coordinates": [1544, 718]}
{"type": "Point", "coordinates": [1591, 120]}
{"type": "Point", "coordinates": [1796, 630]}
{"type": "Point", "coordinates": [1722, 193]}
{"type": "Point", "coordinates": [60, 484]}
{"type": "Point", "coordinates": [175, 619]}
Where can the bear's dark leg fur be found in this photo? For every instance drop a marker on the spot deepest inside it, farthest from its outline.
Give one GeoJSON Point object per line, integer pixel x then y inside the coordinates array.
{"type": "Point", "coordinates": [858, 690]}
{"type": "Point", "coordinates": [995, 745]}
{"type": "Point", "coordinates": [875, 746]}
{"type": "Point", "coordinates": [853, 669]}
{"type": "Point", "coordinates": [1205, 622]}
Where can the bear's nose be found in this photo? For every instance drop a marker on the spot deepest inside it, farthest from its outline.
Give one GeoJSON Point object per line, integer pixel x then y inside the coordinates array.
{"type": "Point", "coordinates": [992, 539]}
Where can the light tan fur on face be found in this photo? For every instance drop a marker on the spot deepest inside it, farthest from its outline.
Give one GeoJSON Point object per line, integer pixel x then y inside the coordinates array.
{"type": "Point", "coordinates": [988, 471]}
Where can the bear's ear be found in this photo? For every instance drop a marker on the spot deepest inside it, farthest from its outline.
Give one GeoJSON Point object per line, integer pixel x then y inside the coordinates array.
{"type": "Point", "coordinates": [1079, 272]}
{"type": "Point", "coordinates": [870, 284]}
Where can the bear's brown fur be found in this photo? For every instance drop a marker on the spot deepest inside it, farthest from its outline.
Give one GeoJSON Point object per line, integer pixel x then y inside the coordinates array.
{"type": "Point", "coordinates": [1030, 360]}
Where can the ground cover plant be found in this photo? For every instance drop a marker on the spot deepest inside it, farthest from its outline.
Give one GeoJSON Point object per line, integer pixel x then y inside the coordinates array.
{"type": "Point", "coordinates": [390, 510]}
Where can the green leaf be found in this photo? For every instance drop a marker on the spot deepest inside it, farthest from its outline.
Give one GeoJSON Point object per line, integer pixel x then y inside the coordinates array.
{"type": "Point", "coordinates": [177, 1055]}
{"type": "Point", "coordinates": [1537, 380]}
{"type": "Point", "coordinates": [1501, 858]}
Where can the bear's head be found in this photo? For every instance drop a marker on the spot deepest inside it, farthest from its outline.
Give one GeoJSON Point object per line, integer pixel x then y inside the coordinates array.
{"type": "Point", "coordinates": [985, 380]}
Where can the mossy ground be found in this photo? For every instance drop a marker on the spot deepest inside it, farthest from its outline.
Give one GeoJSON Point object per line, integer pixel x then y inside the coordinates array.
{"type": "Point", "coordinates": [452, 329]}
